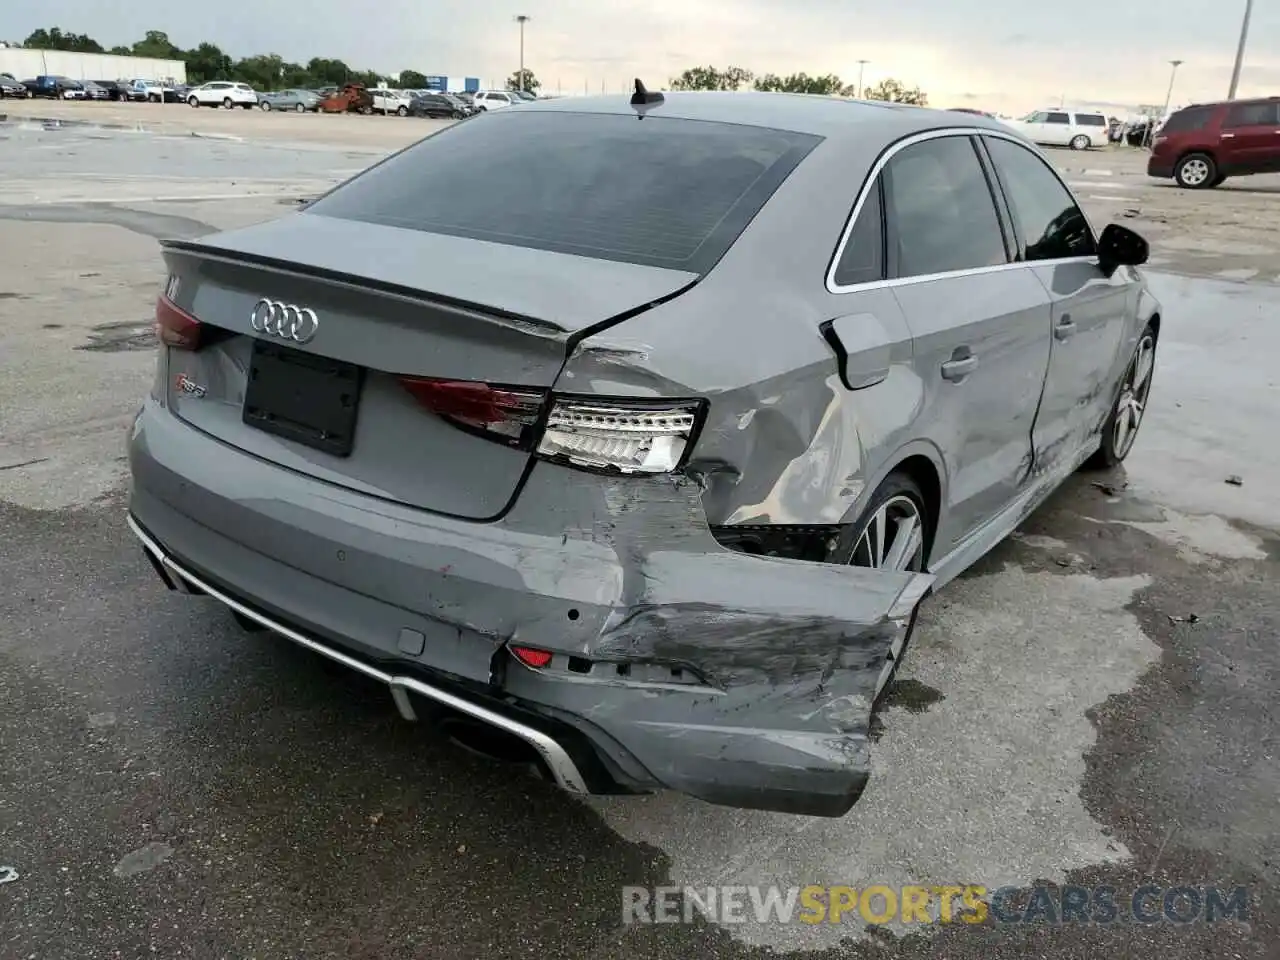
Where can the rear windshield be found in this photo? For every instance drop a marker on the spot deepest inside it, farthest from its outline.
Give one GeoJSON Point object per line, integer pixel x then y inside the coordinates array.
{"type": "Point", "coordinates": [1191, 119]}
{"type": "Point", "coordinates": [659, 191]}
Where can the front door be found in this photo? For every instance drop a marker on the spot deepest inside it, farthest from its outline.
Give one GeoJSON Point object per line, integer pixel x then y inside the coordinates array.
{"type": "Point", "coordinates": [1250, 138]}
{"type": "Point", "coordinates": [1088, 308]}
{"type": "Point", "coordinates": [1057, 128]}
{"type": "Point", "coordinates": [979, 325]}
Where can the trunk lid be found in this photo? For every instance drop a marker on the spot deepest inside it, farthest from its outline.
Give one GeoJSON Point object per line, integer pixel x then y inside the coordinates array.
{"type": "Point", "coordinates": [388, 302]}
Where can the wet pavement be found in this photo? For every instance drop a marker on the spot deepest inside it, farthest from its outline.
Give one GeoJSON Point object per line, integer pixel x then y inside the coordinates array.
{"type": "Point", "coordinates": [1094, 704]}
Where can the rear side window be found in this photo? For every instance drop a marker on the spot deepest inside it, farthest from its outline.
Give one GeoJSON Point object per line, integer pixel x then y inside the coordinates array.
{"type": "Point", "coordinates": [1193, 118]}
{"type": "Point", "coordinates": [941, 213]}
{"type": "Point", "coordinates": [1051, 224]}
{"type": "Point", "coordinates": [862, 259]}
{"type": "Point", "coordinates": [1253, 115]}
{"type": "Point", "coordinates": [662, 192]}
{"type": "Point", "coordinates": [1091, 120]}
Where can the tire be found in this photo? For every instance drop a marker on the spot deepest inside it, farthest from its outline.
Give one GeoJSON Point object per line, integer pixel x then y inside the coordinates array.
{"type": "Point", "coordinates": [896, 499]}
{"type": "Point", "coordinates": [402, 112]}
{"type": "Point", "coordinates": [1135, 388]}
{"type": "Point", "coordinates": [1196, 171]}
{"type": "Point", "coordinates": [456, 115]}
{"type": "Point", "coordinates": [226, 103]}
{"type": "Point", "coordinates": [1081, 142]}
{"type": "Point", "coordinates": [193, 102]}
{"type": "Point", "coordinates": [152, 98]}
{"type": "Point", "coordinates": [299, 108]}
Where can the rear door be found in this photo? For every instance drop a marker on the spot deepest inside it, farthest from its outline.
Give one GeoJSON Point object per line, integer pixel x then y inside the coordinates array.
{"type": "Point", "coordinates": [1250, 137]}
{"type": "Point", "coordinates": [1088, 308]}
{"type": "Point", "coordinates": [980, 325]}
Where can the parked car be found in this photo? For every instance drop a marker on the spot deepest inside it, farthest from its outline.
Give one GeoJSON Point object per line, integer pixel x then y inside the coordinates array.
{"type": "Point", "coordinates": [352, 98]}
{"type": "Point", "coordinates": [223, 93]}
{"type": "Point", "coordinates": [437, 105]}
{"type": "Point", "coordinates": [116, 90]}
{"type": "Point", "coordinates": [94, 91]}
{"type": "Point", "coordinates": [409, 426]}
{"type": "Point", "coordinates": [465, 96]}
{"type": "Point", "coordinates": [525, 95]}
{"type": "Point", "coordinates": [487, 100]}
{"type": "Point", "coordinates": [1077, 129]}
{"type": "Point", "coordinates": [299, 101]}
{"type": "Point", "coordinates": [387, 101]}
{"type": "Point", "coordinates": [154, 91]}
{"type": "Point", "coordinates": [54, 87]}
{"type": "Point", "coordinates": [1202, 145]}
{"type": "Point", "coordinates": [11, 88]}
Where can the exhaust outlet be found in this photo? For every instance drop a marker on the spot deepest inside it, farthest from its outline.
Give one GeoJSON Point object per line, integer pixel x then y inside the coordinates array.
{"type": "Point", "coordinates": [484, 740]}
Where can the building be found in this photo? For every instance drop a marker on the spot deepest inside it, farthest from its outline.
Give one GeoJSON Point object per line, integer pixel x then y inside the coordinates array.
{"type": "Point", "coordinates": [26, 64]}
{"type": "Point", "coordinates": [454, 84]}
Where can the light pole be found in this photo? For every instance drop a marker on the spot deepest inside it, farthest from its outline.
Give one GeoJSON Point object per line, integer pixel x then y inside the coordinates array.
{"type": "Point", "coordinates": [1168, 97]}
{"type": "Point", "coordinates": [522, 19]}
{"type": "Point", "coordinates": [861, 65]}
{"type": "Point", "coordinates": [1150, 135]}
{"type": "Point", "coordinates": [1244, 36]}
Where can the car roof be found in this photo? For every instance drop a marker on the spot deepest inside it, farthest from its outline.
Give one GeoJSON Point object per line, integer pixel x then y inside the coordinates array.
{"type": "Point", "coordinates": [818, 115]}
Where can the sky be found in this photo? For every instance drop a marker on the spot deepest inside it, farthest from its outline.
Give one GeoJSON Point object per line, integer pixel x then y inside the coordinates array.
{"type": "Point", "coordinates": [1003, 55]}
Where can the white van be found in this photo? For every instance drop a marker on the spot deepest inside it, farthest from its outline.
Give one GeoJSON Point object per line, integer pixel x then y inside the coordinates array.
{"type": "Point", "coordinates": [1077, 129]}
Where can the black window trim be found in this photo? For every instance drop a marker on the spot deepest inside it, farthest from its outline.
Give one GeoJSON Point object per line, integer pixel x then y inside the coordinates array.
{"type": "Point", "coordinates": [873, 179]}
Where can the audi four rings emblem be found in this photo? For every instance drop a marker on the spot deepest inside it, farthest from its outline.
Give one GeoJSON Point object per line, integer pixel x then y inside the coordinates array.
{"type": "Point", "coordinates": [284, 320]}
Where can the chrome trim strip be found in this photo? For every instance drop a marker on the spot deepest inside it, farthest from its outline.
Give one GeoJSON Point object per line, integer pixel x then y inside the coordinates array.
{"type": "Point", "coordinates": [873, 177]}
{"type": "Point", "coordinates": [562, 767]}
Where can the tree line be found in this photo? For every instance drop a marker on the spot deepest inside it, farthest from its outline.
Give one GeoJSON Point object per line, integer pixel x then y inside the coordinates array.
{"type": "Point", "coordinates": [207, 61]}
{"type": "Point", "coordinates": [736, 78]}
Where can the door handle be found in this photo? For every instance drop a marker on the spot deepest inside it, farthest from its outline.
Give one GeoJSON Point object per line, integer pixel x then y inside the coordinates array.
{"type": "Point", "coordinates": [960, 368]}
{"type": "Point", "coordinates": [1065, 329]}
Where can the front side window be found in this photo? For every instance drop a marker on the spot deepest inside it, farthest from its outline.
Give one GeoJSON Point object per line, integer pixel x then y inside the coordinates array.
{"type": "Point", "coordinates": [667, 192]}
{"type": "Point", "coordinates": [1050, 222]}
{"type": "Point", "coordinates": [1038, 117]}
{"type": "Point", "coordinates": [941, 214]}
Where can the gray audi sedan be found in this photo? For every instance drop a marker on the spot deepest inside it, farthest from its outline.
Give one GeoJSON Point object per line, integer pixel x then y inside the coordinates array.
{"type": "Point", "coordinates": [623, 437]}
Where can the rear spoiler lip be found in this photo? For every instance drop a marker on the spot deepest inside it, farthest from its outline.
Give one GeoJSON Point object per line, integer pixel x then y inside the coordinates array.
{"type": "Point", "coordinates": [531, 325]}
{"type": "Point", "coordinates": [540, 327]}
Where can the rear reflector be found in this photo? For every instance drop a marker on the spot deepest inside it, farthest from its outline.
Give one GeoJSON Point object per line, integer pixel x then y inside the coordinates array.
{"type": "Point", "coordinates": [175, 327]}
{"type": "Point", "coordinates": [532, 657]}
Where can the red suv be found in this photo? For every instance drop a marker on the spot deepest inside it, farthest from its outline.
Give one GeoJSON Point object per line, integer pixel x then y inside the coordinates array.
{"type": "Point", "coordinates": [1202, 145]}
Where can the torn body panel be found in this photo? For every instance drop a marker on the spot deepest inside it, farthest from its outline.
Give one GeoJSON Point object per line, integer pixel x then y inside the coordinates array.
{"type": "Point", "coordinates": [771, 663]}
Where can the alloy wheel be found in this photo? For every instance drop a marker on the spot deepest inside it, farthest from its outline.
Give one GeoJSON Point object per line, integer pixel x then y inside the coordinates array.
{"type": "Point", "coordinates": [1195, 172]}
{"type": "Point", "coordinates": [893, 539]}
{"type": "Point", "coordinates": [1132, 404]}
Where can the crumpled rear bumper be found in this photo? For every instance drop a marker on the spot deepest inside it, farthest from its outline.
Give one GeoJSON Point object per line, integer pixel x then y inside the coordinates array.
{"type": "Point", "coordinates": [676, 663]}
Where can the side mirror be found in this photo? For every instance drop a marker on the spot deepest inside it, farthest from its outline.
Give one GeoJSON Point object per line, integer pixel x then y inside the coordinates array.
{"type": "Point", "coordinates": [1121, 247]}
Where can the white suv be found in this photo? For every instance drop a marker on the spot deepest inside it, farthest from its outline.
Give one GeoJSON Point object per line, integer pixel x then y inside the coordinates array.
{"type": "Point", "coordinates": [495, 99]}
{"type": "Point", "coordinates": [1077, 129]}
{"type": "Point", "coordinates": [391, 101]}
{"type": "Point", "coordinates": [221, 93]}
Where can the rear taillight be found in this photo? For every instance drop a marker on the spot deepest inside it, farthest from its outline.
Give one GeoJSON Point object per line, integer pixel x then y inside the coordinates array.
{"type": "Point", "coordinates": [627, 436]}
{"type": "Point", "coordinates": [509, 415]}
{"type": "Point", "coordinates": [640, 437]}
{"type": "Point", "coordinates": [175, 327]}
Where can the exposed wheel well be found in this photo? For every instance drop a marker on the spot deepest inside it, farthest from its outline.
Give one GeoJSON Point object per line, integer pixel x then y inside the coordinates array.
{"type": "Point", "coordinates": [921, 469]}
{"type": "Point", "coordinates": [1154, 323]}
